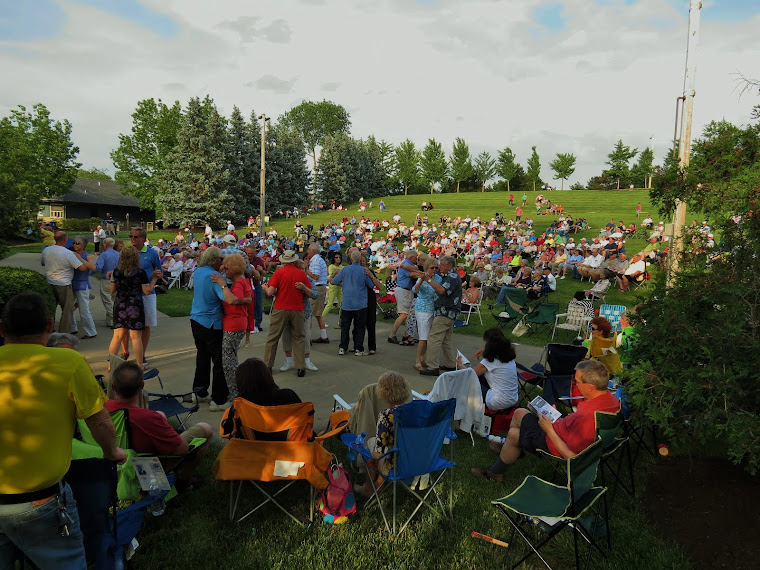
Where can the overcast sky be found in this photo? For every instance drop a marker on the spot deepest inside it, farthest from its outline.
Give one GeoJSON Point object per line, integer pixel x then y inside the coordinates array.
{"type": "Point", "coordinates": [567, 76]}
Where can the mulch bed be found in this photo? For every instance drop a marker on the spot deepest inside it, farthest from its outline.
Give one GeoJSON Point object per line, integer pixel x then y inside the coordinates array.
{"type": "Point", "coordinates": [708, 506]}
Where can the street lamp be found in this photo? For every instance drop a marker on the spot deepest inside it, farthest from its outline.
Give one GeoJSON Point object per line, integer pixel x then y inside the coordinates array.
{"type": "Point", "coordinates": [262, 197]}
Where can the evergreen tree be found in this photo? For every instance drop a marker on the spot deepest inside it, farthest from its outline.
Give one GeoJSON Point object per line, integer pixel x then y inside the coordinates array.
{"type": "Point", "coordinates": [243, 153]}
{"type": "Point", "coordinates": [484, 168]}
{"type": "Point", "coordinates": [194, 180]}
{"type": "Point", "coordinates": [461, 163]}
{"type": "Point", "coordinates": [534, 169]}
{"type": "Point", "coordinates": [643, 169]}
{"type": "Point", "coordinates": [506, 167]}
{"type": "Point", "coordinates": [287, 174]}
{"type": "Point", "coordinates": [388, 165]}
{"type": "Point", "coordinates": [617, 161]}
{"type": "Point", "coordinates": [433, 163]}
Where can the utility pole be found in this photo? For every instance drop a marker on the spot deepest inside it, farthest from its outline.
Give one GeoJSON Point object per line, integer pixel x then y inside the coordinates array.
{"type": "Point", "coordinates": [684, 144]}
{"type": "Point", "coordinates": [262, 196]}
{"type": "Point", "coordinates": [648, 181]}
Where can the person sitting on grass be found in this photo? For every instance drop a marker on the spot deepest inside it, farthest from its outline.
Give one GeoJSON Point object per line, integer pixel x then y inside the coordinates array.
{"type": "Point", "coordinates": [564, 438]}
{"type": "Point", "coordinates": [150, 431]}
{"type": "Point", "coordinates": [392, 388]}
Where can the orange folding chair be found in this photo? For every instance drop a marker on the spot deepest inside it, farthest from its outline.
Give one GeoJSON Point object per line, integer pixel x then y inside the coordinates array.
{"type": "Point", "coordinates": [274, 443]}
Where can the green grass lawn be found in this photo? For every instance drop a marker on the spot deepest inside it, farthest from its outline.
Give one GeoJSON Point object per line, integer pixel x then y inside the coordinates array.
{"type": "Point", "coordinates": [268, 539]}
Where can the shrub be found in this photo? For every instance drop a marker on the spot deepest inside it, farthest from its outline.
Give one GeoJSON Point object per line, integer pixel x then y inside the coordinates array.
{"type": "Point", "coordinates": [78, 224]}
{"type": "Point", "coordinates": [3, 248]}
{"type": "Point", "coordinates": [15, 280]}
{"type": "Point", "coordinates": [577, 186]}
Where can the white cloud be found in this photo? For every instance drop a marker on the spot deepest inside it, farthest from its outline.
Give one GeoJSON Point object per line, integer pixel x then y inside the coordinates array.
{"type": "Point", "coordinates": [482, 70]}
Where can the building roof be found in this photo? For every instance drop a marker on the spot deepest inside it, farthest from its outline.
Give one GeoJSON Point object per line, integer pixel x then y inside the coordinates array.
{"type": "Point", "coordinates": [87, 191]}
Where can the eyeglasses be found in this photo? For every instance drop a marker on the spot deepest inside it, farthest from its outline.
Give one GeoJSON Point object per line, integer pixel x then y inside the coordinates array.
{"type": "Point", "coordinates": [135, 237]}
{"type": "Point", "coordinates": [594, 328]}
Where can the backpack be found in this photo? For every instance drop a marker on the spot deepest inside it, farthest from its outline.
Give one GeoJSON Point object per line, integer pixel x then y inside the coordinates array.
{"type": "Point", "coordinates": [337, 501]}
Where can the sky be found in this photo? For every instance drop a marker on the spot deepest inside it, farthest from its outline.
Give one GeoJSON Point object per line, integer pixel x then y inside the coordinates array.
{"type": "Point", "coordinates": [568, 76]}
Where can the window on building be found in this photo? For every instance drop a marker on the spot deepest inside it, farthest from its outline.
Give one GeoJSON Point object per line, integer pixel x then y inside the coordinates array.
{"type": "Point", "coordinates": [56, 211]}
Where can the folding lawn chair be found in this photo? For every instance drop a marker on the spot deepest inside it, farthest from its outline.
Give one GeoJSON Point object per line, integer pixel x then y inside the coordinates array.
{"type": "Point", "coordinates": [420, 430]}
{"type": "Point", "coordinates": [364, 412]}
{"type": "Point", "coordinates": [613, 313]}
{"type": "Point", "coordinates": [473, 308]}
{"type": "Point", "coordinates": [553, 508]}
{"type": "Point", "coordinates": [274, 443]}
{"type": "Point", "coordinates": [386, 305]}
{"type": "Point", "coordinates": [553, 372]}
{"type": "Point", "coordinates": [607, 427]}
{"type": "Point", "coordinates": [599, 290]}
{"type": "Point", "coordinates": [576, 318]}
{"type": "Point", "coordinates": [542, 316]}
{"type": "Point", "coordinates": [515, 307]}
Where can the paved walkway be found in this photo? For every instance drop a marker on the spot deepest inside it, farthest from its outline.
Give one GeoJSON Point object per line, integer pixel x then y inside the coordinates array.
{"type": "Point", "coordinates": [172, 351]}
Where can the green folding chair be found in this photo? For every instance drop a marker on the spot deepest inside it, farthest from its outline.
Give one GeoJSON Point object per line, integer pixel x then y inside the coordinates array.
{"type": "Point", "coordinates": [550, 508]}
{"type": "Point", "coordinates": [515, 307]}
{"type": "Point", "coordinates": [543, 316]}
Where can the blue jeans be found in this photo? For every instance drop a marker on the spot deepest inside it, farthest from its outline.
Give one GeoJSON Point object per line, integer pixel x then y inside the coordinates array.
{"type": "Point", "coordinates": [258, 309]}
{"type": "Point", "coordinates": [502, 294]}
{"type": "Point", "coordinates": [34, 531]}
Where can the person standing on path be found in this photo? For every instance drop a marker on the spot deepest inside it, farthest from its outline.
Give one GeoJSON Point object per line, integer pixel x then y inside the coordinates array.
{"type": "Point", "coordinates": [206, 322]}
{"type": "Point", "coordinates": [403, 293]}
{"type": "Point", "coordinates": [447, 308]}
{"type": "Point", "coordinates": [60, 264]}
{"type": "Point", "coordinates": [355, 280]}
{"type": "Point", "coordinates": [287, 309]}
{"type": "Point", "coordinates": [317, 270]}
{"type": "Point", "coordinates": [80, 284]}
{"type": "Point", "coordinates": [106, 263]}
{"type": "Point", "coordinates": [151, 263]}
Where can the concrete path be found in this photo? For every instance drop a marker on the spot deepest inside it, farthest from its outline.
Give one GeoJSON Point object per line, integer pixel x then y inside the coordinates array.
{"type": "Point", "coordinates": [172, 351]}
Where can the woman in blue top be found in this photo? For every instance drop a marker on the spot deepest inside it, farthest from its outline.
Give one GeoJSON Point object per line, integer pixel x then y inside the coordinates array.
{"type": "Point", "coordinates": [424, 307]}
{"type": "Point", "coordinates": [81, 287]}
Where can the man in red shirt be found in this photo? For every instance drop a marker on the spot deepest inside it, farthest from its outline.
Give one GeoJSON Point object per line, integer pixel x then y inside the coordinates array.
{"type": "Point", "coordinates": [287, 309]}
{"type": "Point", "coordinates": [150, 432]}
{"type": "Point", "coordinates": [566, 437]}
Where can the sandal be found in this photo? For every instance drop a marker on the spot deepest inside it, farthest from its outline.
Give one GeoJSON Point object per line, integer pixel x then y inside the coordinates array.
{"type": "Point", "coordinates": [393, 340]}
{"type": "Point", "coordinates": [405, 342]}
{"type": "Point", "coordinates": [420, 367]}
{"type": "Point", "coordinates": [125, 356]}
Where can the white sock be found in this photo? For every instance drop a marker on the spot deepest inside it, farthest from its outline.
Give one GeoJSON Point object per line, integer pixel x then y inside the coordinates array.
{"type": "Point", "coordinates": [289, 359]}
{"type": "Point", "coordinates": [308, 360]}
{"type": "Point", "coordinates": [323, 333]}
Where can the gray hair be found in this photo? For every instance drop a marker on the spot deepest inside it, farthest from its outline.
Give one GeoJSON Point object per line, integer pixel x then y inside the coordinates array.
{"type": "Point", "coordinates": [594, 372]}
{"type": "Point", "coordinates": [316, 248]}
{"type": "Point", "coordinates": [410, 253]}
{"type": "Point", "coordinates": [356, 256]}
{"type": "Point", "coordinates": [449, 260]}
{"type": "Point", "coordinates": [58, 338]}
{"type": "Point", "coordinates": [109, 242]}
{"type": "Point", "coordinates": [209, 256]}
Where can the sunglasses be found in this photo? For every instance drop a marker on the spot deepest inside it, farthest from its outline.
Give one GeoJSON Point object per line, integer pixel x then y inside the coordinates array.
{"type": "Point", "coordinates": [135, 237]}
{"type": "Point", "coordinates": [77, 243]}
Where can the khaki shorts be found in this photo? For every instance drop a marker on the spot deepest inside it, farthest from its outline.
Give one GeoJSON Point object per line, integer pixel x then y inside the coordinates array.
{"type": "Point", "coordinates": [318, 304]}
{"type": "Point", "coordinates": [404, 300]}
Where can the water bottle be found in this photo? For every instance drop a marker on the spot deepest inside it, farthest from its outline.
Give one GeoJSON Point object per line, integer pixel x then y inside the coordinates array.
{"type": "Point", "coordinates": [357, 444]}
{"type": "Point", "coordinates": [158, 506]}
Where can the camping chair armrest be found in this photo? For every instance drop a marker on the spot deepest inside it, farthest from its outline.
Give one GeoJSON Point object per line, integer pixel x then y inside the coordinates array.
{"type": "Point", "coordinates": [561, 315]}
{"type": "Point", "coordinates": [338, 422]}
{"type": "Point", "coordinates": [367, 454]}
{"type": "Point", "coordinates": [168, 395]}
{"type": "Point", "coordinates": [549, 456]}
{"type": "Point", "coordinates": [451, 435]}
{"type": "Point", "coordinates": [342, 403]}
{"type": "Point", "coordinates": [418, 396]}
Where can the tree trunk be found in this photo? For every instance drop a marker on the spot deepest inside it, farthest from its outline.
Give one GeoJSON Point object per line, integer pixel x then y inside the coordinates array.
{"type": "Point", "coordinates": [484, 187]}
{"type": "Point", "coordinates": [534, 185]}
{"type": "Point", "coordinates": [457, 186]}
{"type": "Point", "coordinates": [508, 190]}
{"type": "Point", "coordinates": [405, 190]}
{"type": "Point", "coordinates": [316, 171]}
{"type": "Point", "coordinates": [562, 184]}
{"type": "Point", "coordinates": [432, 185]}
{"type": "Point", "coordinates": [618, 184]}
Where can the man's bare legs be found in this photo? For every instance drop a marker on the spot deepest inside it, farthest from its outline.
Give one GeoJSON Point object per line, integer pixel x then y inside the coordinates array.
{"type": "Point", "coordinates": [510, 452]}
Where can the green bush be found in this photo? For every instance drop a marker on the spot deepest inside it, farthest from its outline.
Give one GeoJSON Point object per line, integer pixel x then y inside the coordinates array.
{"type": "Point", "coordinates": [15, 280]}
{"type": "Point", "coordinates": [79, 225]}
{"type": "Point", "coordinates": [4, 249]}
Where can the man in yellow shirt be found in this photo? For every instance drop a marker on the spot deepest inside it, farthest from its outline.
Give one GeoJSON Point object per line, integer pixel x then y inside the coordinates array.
{"type": "Point", "coordinates": [44, 390]}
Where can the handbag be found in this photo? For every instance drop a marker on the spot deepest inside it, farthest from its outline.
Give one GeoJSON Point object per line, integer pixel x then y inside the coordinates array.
{"type": "Point", "coordinates": [520, 329]}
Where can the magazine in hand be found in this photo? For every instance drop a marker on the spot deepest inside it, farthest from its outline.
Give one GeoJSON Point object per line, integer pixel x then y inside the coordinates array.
{"type": "Point", "coordinates": [542, 407]}
{"type": "Point", "coordinates": [465, 360]}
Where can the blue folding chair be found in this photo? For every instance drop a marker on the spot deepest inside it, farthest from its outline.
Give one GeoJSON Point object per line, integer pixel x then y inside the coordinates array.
{"type": "Point", "coordinates": [420, 429]}
{"type": "Point", "coordinates": [613, 314]}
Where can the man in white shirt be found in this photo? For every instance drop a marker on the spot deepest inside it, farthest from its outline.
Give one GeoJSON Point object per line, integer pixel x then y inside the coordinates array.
{"type": "Point", "coordinates": [551, 280]}
{"type": "Point", "coordinates": [60, 264]}
{"type": "Point", "coordinates": [636, 272]}
{"type": "Point", "coordinates": [593, 261]}
{"type": "Point", "coordinates": [317, 270]}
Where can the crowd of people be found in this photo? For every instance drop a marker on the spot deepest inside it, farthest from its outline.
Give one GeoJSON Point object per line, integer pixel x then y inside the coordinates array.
{"type": "Point", "coordinates": [435, 269]}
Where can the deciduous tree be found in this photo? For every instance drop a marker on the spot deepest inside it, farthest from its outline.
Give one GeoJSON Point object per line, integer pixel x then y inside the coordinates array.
{"type": "Point", "coordinates": [407, 164]}
{"type": "Point", "coordinates": [618, 162]}
{"type": "Point", "coordinates": [563, 167]}
{"type": "Point", "coordinates": [433, 163]}
{"type": "Point", "coordinates": [643, 169]}
{"type": "Point", "coordinates": [506, 167]}
{"type": "Point", "coordinates": [484, 168]}
{"type": "Point", "coordinates": [460, 161]}
{"type": "Point", "coordinates": [141, 156]}
{"type": "Point", "coordinates": [534, 169]}
{"type": "Point", "coordinates": [315, 121]}
{"type": "Point", "coordinates": [37, 159]}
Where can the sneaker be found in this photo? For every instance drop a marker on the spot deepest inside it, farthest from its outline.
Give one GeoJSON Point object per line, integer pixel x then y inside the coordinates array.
{"type": "Point", "coordinates": [310, 366]}
{"type": "Point", "coordinates": [206, 398]}
{"type": "Point", "coordinates": [287, 366]}
{"type": "Point", "coordinates": [341, 352]}
{"type": "Point", "coordinates": [214, 407]}
{"type": "Point", "coordinates": [562, 277]}
{"type": "Point", "coordinates": [361, 353]}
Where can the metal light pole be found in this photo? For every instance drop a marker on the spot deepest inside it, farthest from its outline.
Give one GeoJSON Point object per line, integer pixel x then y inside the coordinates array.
{"type": "Point", "coordinates": [262, 196]}
{"type": "Point", "coordinates": [684, 145]}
